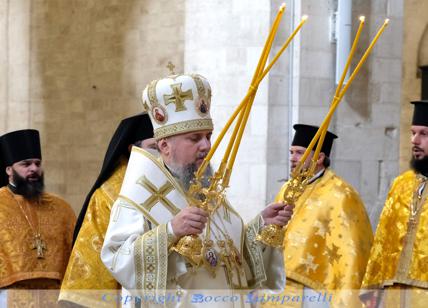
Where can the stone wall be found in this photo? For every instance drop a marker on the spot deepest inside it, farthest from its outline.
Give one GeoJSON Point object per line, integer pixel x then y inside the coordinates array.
{"type": "Point", "coordinates": [366, 122]}
{"type": "Point", "coordinates": [223, 41]}
{"type": "Point", "coordinates": [74, 69]}
{"type": "Point", "coordinates": [414, 55]}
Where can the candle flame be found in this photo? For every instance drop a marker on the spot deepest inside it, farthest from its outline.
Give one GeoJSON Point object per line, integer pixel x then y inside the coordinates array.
{"type": "Point", "coordinates": [362, 18]}
{"type": "Point", "coordinates": [386, 21]}
{"type": "Point", "coordinates": [282, 7]}
{"type": "Point", "coordinates": [304, 17]}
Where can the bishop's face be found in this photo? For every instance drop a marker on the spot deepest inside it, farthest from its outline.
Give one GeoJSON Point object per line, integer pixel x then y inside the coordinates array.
{"type": "Point", "coordinates": [186, 149]}
{"type": "Point", "coordinates": [419, 141]}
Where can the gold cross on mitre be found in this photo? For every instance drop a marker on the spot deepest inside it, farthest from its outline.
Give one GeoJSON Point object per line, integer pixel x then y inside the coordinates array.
{"type": "Point", "coordinates": [40, 245]}
{"type": "Point", "coordinates": [171, 67]}
{"type": "Point", "coordinates": [178, 97]}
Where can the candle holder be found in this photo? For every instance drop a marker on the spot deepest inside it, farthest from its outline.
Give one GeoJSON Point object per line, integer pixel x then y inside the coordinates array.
{"type": "Point", "coordinates": [206, 198]}
{"type": "Point", "coordinates": [273, 235]}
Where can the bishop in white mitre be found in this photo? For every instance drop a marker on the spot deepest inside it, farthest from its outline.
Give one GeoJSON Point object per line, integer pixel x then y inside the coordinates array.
{"type": "Point", "coordinates": [152, 213]}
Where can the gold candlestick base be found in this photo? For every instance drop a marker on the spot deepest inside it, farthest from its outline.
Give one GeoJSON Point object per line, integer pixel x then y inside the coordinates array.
{"type": "Point", "coordinates": [272, 235]}
{"type": "Point", "coordinates": [190, 247]}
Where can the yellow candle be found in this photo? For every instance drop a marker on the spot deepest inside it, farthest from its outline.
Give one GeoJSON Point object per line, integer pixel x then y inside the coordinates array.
{"type": "Point", "coordinates": [247, 111]}
{"type": "Point", "coordinates": [339, 86]}
{"type": "Point", "coordinates": [284, 47]}
{"type": "Point", "coordinates": [241, 132]}
{"type": "Point", "coordinates": [351, 55]}
{"type": "Point", "coordinates": [251, 91]}
{"type": "Point", "coordinates": [337, 99]}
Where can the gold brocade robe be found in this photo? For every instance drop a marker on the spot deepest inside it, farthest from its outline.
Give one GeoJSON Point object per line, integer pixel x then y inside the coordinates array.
{"type": "Point", "coordinates": [21, 272]}
{"type": "Point", "coordinates": [85, 271]}
{"type": "Point", "coordinates": [18, 260]}
{"type": "Point", "coordinates": [327, 241]}
{"type": "Point", "coordinates": [400, 253]}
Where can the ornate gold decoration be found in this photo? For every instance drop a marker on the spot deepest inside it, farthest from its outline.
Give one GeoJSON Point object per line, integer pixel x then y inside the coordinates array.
{"type": "Point", "coordinates": [37, 242]}
{"type": "Point", "coordinates": [157, 195]}
{"type": "Point", "coordinates": [273, 235]}
{"type": "Point", "coordinates": [178, 97]}
{"type": "Point", "coordinates": [151, 93]}
{"type": "Point", "coordinates": [151, 261]}
{"type": "Point", "coordinates": [146, 107]}
{"type": "Point", "coordinates": [202, 106]}
{"type": "Point", "coordinates": [171, 67]}
{"type": "Point", "coordinates": [183, 127]}
{"type": "Point", "coordinates": [39, 245]}
{"type": "Point", "coordinates": [159, 114]}
{"type": "Point", "coordinates": [190, 246]}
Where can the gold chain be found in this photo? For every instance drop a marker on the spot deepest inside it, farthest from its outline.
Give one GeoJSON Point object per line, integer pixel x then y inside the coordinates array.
{"type": "Point", "coordinates": [25, 214]}
{"type": "Point", "coordinates": [38, 242]}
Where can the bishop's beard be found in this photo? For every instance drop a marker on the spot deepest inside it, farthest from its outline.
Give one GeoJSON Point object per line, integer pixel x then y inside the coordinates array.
{"type": "Point", "coordinates": [31, 190]}
{"type": "Point", "coordinates": [186, 174]}
{"type": "Point", "coordinates": [420, 165]}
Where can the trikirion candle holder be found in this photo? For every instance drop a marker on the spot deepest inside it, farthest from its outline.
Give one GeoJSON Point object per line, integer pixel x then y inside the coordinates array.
{"type": "Point", "coordinates": [210, 197]}
{"type": "Point", "coordinates": [273, 235]}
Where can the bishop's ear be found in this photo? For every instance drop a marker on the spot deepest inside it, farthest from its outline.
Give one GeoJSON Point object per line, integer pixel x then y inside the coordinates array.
{"type": "Point", "coordinates": [164, 146]}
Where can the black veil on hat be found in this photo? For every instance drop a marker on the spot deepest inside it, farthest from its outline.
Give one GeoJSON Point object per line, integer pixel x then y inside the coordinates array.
{"type": "Point", "coordinates": [4, 178]}
{"type": "Point", "coordinates": [129, 131]}
{"type": "Point", "coordinates": [305, 133]}
{"type": "Point", "coordinates": [420, 113]}
{"type": "Point", "coordinates": [16, 146]}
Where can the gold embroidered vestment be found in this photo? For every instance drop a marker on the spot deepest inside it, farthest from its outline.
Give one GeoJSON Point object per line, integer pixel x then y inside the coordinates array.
{"type": "Point", "coordinates": [85, 271]}
{"type": "Point", "coordinates": [55, 221]}
{"type": "Point", "coordinates": [327, 241]}
{"type": "Point", "coordinates": [400, 252]}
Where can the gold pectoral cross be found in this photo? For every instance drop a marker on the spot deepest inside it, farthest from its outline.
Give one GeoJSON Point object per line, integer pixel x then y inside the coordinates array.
{"type": "Point", "coordinates": [178, 97]}
{"type": "Point", "coordinates": [40, 245]}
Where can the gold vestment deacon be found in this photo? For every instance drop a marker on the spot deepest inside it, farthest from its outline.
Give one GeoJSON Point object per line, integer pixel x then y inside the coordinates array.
{"type": "Point", "coordinates": [20, 266]}
{"type": "Point", "coordinates": [400, 249]}
{"type": "Point", "coordinates": [85, 271]}
{"type": "Point", "coordinates": [327, 242]}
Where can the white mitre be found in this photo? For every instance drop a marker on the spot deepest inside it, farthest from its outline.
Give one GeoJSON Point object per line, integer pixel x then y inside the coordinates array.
{"type": "Point", "coordinates": [178, 104]}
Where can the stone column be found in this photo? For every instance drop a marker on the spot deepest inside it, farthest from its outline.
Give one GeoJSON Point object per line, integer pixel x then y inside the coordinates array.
{"type": "Point", "coordinates": [223, 42]}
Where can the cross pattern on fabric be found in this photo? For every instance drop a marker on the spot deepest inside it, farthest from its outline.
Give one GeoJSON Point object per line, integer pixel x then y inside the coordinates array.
{"type": "Point", "coordinates": [178, 97]}
{"type": "Point", "coordinates": [158, 195]}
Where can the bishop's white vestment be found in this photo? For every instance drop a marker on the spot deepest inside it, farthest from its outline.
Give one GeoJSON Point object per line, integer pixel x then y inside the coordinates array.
{"type": "Point", "coordinates": [137, 244]}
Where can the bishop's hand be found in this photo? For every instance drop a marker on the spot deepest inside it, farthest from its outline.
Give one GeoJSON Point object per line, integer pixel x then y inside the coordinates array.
{"type": "Point", "coordinates": [190, 220]}
{"type": "Point", "coordinates": [277, 213]}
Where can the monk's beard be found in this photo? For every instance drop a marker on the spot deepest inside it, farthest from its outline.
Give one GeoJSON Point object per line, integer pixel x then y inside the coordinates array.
{"type": "Point", "coordinates": [420, 165]}
{"type": "Point", "coordinates": [31, 190]}
{"type": "Point", "coordinates": [186, 174]}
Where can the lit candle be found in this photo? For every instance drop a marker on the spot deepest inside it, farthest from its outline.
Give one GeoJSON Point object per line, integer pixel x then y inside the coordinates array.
{"type": "Point", "coordinates": [337, 99]}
